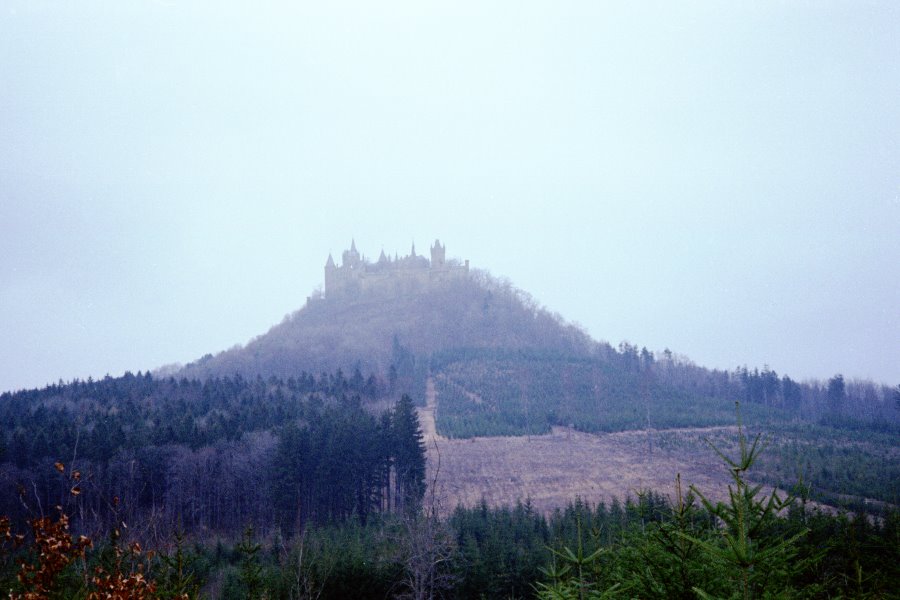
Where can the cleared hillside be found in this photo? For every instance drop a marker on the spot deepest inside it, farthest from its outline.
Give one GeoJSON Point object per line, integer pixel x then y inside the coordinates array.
{"type": "Point", "coordinates": [553, 468]}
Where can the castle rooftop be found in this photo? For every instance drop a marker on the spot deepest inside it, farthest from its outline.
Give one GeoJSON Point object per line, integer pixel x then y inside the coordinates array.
{"type": "Point", "coordinates": [356, 276]}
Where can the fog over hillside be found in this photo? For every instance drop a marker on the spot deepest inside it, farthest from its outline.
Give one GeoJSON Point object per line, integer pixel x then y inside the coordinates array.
{"type": "Point", "coordinates": [238, 360]}
{"type": "Point", "coordinates": [716, 178]}
{"type": "Point", "coordinates": [368, 330]}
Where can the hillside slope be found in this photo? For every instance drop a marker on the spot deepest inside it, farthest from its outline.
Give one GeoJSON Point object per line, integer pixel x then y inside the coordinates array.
{"type": "Point", "coordinates": [374, 332]}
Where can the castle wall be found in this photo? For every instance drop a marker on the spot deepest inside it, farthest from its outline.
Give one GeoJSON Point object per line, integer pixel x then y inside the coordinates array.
{"type": "Point", "coordinates": [406, 275]}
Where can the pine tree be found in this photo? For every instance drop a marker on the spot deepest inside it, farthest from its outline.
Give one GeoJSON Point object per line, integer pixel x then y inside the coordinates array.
{"type": "Point", "coordinates": [251, 571]}
{"type": "Point", "coordinates": [760, 561]}
{"type": "Point", "coordinates": [409, 455]}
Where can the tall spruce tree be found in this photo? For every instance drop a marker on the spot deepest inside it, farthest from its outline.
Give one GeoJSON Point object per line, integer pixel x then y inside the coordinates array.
{"type": "Point", "coordinates": [408, 454]}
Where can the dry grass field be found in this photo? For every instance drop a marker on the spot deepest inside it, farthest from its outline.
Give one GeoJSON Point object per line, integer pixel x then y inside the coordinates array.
{"type": "Point", "coordinates": [556, 468]}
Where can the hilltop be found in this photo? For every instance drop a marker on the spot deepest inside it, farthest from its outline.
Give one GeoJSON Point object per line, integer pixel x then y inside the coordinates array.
{"type": "Point", "coordinates": [398, 312]}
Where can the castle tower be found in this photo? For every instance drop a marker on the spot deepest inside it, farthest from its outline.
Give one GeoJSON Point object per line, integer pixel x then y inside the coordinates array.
{"type": "Point", "coordinates": [330, 269]}
{"type": "Point", "coordinates": [438, 254]}
{"type": "Point", "coordinates": [350, 258]}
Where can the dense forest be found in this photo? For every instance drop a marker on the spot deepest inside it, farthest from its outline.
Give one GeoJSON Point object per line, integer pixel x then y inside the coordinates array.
{"type": "Point", "coordinates": [214, 455]}
{"type": "Point", "coordinates": [756, 545]}
{"type": "Point", "coordinates": [514, 392]}
{"type": "Point", "coordinates": [217, 453]}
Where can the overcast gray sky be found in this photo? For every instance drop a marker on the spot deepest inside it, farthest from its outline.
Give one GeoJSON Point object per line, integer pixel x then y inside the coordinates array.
{"type": "Point", "coordinates": [719, 178]}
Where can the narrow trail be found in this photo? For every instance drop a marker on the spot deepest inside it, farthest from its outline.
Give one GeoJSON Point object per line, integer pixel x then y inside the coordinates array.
{"type": "Point", "coordinates": [427, 415]}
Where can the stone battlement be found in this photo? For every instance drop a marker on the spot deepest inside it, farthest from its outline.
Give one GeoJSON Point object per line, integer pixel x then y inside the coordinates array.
{"type": "Point", "coordinates": [401, 275]}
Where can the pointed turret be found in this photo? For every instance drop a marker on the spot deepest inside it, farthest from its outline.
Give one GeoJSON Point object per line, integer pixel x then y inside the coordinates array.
{"type": "Point", "coordinates": [413, 253]}
{"type": "Point", "coordinates": [330, 273]}
{"type": "Point", "coordinates": [350, 258]}
{"type": "Point", "coordinates": [382, 259]}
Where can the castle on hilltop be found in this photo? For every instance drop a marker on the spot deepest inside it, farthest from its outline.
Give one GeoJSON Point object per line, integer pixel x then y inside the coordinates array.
{"type": "Point", "coordinates": [407, 274]}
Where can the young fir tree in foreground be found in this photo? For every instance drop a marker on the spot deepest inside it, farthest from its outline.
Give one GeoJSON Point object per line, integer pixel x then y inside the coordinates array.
{"type": "Point", "coordinates": [759, 561]}
{"type": "Point", "coordinates": [744, 558]}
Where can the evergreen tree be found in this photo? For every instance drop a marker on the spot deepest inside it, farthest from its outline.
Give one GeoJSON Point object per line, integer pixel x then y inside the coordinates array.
{"type": "Point", "coordinates": [755, 554]}
{"type": "Point", "coordinates": [408, 454]}
{"type": "Point", "coordinates": [836, 395]}
{"type": "Point", "coordinates": [251, 574]}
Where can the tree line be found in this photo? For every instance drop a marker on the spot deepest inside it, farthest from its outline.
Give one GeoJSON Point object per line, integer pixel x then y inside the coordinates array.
{"type": "Point", "coordinates": [213, 455]}
{"type": "Point", "coordinates": [521, 391]}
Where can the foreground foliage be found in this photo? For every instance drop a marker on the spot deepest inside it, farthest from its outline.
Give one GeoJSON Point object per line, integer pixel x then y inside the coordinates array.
{"type": "Point", "coordinates": [328, 505]}
{"type": "Point", "coordinates": [647, 547]}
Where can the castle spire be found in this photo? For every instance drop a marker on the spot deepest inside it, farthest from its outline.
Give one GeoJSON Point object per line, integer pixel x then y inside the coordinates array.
{"type": "Point", "coordinates": [352, 245]}
{"type": "Point", "coordinates": [413, 250]}
{"type": "Point", "coordinates": [438, 253]}
{"type": "Point", "coordinates": [330, 263]}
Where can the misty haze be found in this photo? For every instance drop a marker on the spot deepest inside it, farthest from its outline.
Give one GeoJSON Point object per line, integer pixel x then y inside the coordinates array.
{"type": "Point", "coordinates": [453, 301]}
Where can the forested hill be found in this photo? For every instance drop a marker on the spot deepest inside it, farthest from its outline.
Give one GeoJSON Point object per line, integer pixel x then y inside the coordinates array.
{"type": "Point", "coordinates": [503, 365]}
{"type": "Point", "coordinates": [376, 332]}
{"type": "Point", "coordinates": [214, 454]}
